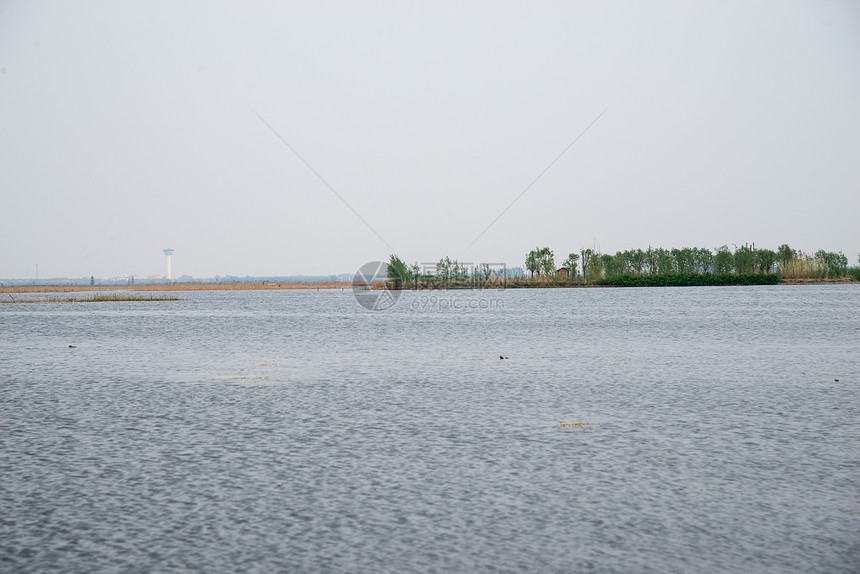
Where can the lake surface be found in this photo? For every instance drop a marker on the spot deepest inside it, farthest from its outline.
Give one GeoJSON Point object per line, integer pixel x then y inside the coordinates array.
{"type": "Point", "coordinates": [295, 431]}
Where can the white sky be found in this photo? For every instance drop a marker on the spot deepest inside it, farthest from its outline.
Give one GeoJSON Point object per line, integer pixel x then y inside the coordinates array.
{"type": "Point", "coordinates": [129, 127]}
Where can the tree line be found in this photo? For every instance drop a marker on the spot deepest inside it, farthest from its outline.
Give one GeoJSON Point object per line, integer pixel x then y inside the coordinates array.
{"type": "Point", "coordinates": [590, 264]}
{"type": "Point", "coordinates": [447, 272]}
{"type": "Point", "coordinates": [746, 264]}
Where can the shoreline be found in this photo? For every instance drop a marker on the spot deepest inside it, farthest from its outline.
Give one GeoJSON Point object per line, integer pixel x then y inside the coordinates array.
{"type": "Point", "coordinates": [332, 285]}
{"type": "Point", "coordinates": [190, 286]}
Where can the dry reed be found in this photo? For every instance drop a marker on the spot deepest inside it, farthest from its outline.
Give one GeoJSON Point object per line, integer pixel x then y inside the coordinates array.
{"type": "Point", "coordinates": [804, 267]}
{"type": "Point", "coordinates": [189, 286]}
{"type": "Point", "coordinates": [95, 298]}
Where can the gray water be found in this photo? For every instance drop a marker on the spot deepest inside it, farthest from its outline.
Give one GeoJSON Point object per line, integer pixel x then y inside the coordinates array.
{"type": "Point", "coordinates": [295, 431]}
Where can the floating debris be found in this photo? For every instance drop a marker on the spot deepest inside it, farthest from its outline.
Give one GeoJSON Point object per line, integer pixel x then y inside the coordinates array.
{"type": "Point", "coordinates": [565, 425]}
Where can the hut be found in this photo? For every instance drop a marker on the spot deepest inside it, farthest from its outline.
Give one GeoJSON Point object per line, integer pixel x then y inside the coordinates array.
{"type": "Point", "coordinates": [563, 273]}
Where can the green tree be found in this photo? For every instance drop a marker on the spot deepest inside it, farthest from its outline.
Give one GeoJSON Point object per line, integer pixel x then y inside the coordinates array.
{"type": "Point", "coordinates": [744, 259]}
{"type": "Point", "coordinates": [614, 264]}
{"type": "Point", "coordinates": [834, 264]}
{"type": "Point", "coordinates": [607, 263]}
{"type": "Point", "coordinates": [724, 262]}
{"type": "Point", "coordinates": [547, 261]}
{"type": "Point", "coordinates": [840, 264]}
{"type": "Point", "coordinates": [622, 262]}
{"type": "Point", "coordinates": [415, 271]}
{"type": "Point", "coordinates": [684, 260]}
{"type": "Point", "coordinates": [541, 260]}
{"type": "Point", "coordinates": [786, 255]}
{"type": "Point", "coordinates": [592, 267]}
{"type": "Point", "coordinates": [442, 269]}
{"type": "Point", "coordinates": [398, 271]}
{"type": "Point", "coordinates": [533, 261]}
{"type": "Point", "coordinates": [820, 258]}
{"type": "Point", "coordinates": [704, 259]}
{"type": "Point", "coordinates": [665, 261]}
{"type": "Point", "coordinates": [482, 273]}
{"type": "Point", "coordinates": [446, 270]}
{"type": "Point", "coordinates": [765, 259]}
{"type": "Point", "coordinates": [651, 260]}
{"type": "Point", "coordinates": [635, 260]}
{"type": "Point", "coordinates": [586, 261]}
{"type": "Point", "coordinates": [571, 263]}
{"type": "Point", "coordinates": [459, 271]}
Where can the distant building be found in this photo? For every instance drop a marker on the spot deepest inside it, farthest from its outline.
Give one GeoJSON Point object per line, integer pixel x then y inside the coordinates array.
{"type": "Point", "coordinates": [563, 273]}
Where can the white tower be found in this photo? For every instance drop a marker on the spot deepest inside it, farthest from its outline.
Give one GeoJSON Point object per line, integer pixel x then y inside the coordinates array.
{"type": "Point", "coordinates": [169, 253]}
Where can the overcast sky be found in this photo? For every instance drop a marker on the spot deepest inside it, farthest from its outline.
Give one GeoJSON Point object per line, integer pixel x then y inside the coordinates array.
{"type": "Point", "coordinates": [130, 127]}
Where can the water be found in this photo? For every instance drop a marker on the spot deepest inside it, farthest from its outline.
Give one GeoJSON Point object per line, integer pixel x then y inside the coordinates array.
{"type": "Point", "coordinates": [295, 431]}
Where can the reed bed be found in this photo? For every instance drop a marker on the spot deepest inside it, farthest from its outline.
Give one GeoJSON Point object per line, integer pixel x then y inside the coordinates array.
{"type": "Point", "coordinates": [63, 288]}
{"type": "Point", "coordinates": [241, 286]}
{"type": "Point", "coordinates": [803, 268]}
{"type": "Point", "coordinates": [189, 286]}
{"type": "Point", "coordinates": [95, 298]}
